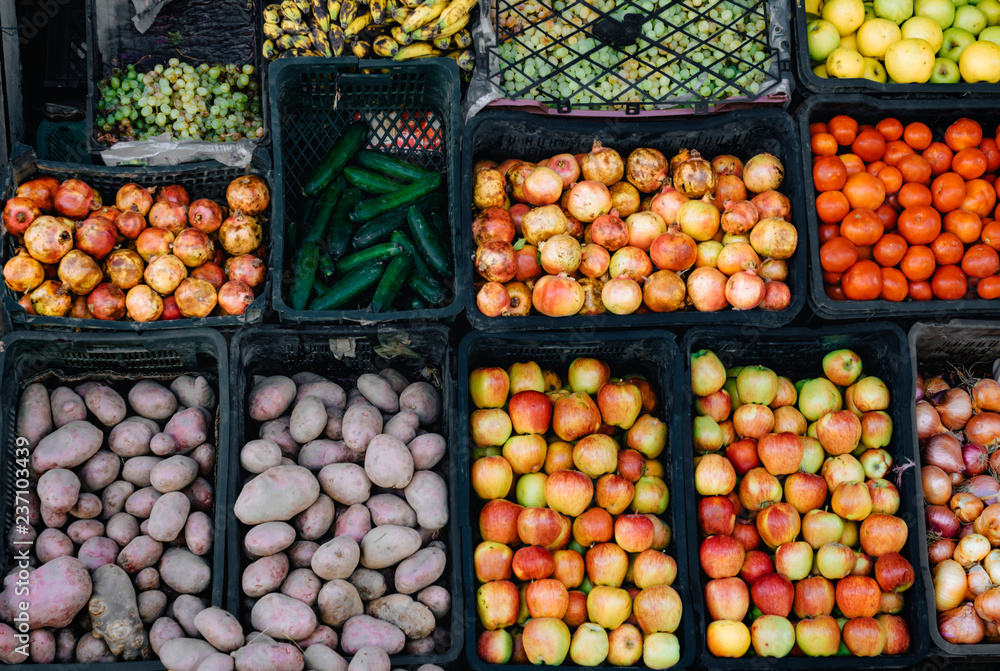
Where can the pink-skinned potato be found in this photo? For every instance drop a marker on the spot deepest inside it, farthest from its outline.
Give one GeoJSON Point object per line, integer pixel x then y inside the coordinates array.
{"type": "Point", "coordinates": [59, 590]}
{"type": "Point", "coordinates": [114, 497]}
{"type": "Point", "coordinates": [364, 631]}
{"type": "Point", "coordinates": [97, 552]}
{"type": "Point", "coordinates": [313, 522]}
{"type": "Point", "coordinates": [198, 533]}
{"type": "Point", "coordinates": [163, 630]}
{"type": "Point", "coordinates": [52, 543]}
{"type": "Point", "coordinates": [81, 531]}
{"type": "Point", "coordinates": [193, 392]}
{"type": "Point", "coordinates": [269, 657]}
{"type": "Point", "coordinates": [217, 661]}
{"type": "Point", "coordinates": [140, 503]}
{"type": "Point", "coordinates": [137, 470]}
{"type": "Point", "coordinates": [142, 552]}
{"type": "Point", "coordinates": [59, 490]}
{"type": "Point", "coordinates": [271, 397]}
{"type": "Point", "coordinates": [300, 553]}
{"type": "Point", "coordinates": [427, 450]}
{"type": "Point", "coordinates": [267, 539]}
{"type": "Point", "coordinates": [34, 414]}
{"type": "Point", "coordinates": [355, 522]}
{"type": "Point", "coordinates": [67, 447]}
{"type": "Point", "coordinates": [130, 439]}
{"type": "Point", "coordinates": [42, 646]}
{"type": "Point", "coordinates": [189, 428]}
{"type": "Point", "coordinates": [302, 584]}
{"type": "Point", "coordinates": [259, 455]}
{"type": "Point", "coordinates": [278, 494]}
{"type": "Point", "coordinates": [370, 658]}
{"type": "Point", "coordinates": [403, 426]}
{"type": "Point", "coordinates": [184, 609]}
{"type": "Point", "coordinates": [323, 658]}
{"type": "Point", "coordinates": [427, 494]}
{"type": "Point", "coordinates": [437, 598]}
{"type": "Point", "coordinates": [387, 545]}
{"type": "Point", "coordinates": [67, 406]}
{"type": "Point", "coordinates": [337, 602]}
{"type": "Point", "coordinates": [152, 400]}
{"type": "Point", "coordinates": [185, 654]}
{"type": "Point", "coordinates": [319, 453]}
{"type": "Point", "coordinates": [423, 399]}
{"type": "Point", "coordinates": [283, 617]}
{"type": "Point", "coordinates": [65, 646]}
{"type": "Point", "coordinates": [184, 572]}
{"type": "Point", "coordinates": [219, 628]}
{"type": "Point", "coordinates": [420, 570]}
{"type": "Point", "coordinates": [106, 404]}
{"type": "Point", "coordinates": [99, 471]}
{"type": "Point", "coordinates": [362, 422]}
{"type": "Point", "coordinates": [265, 575]}
{"type": "Point", "coordinates": [391, 509]}
{"type": "Point", "coordinates": [90, 650]}
{"type": "Point", "coordinates": [345, 483]}
{"type": "Point", "coordinates": [173, 474]}
{"type": "Point", "coordinates": [88, 506]}
{"type": "Point", "coordinates": [169, 515]}
{"type": "Point", "coordinates": [278, 431]}
{"type": "Point", "coordinates": [152, 605]}
{"type": "Point", "coordinates": [10, 647]}
{"type": "Point", "coordinates": [322, 635]}
{"type": "Point", "coordinates": [122, 528]}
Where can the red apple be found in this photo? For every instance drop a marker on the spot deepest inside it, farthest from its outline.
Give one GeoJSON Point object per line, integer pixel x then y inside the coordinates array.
{"type": "Point", "coordinates": [631, 464]}
{"type": "Point", "coordinates": [759, 489]}
{"type": "Point", "coordinates": [876, 429]}
{"type": "Point", "coordinates": [494, 647]}
{"type": "Point", "coordinates": [891, 603]}
{"type": "Point", "coordinates": [539, 526]}
{"type": "Point", "coordinates": [606, 564]}
{"type": "Point", "coordinates": [834, 560]}
{"type": "Point", "coordinates": [863, 564]}
{"type": "Point", "coordinates": [778, 523]}
{"type": "Point", "coordinates": [525, 454]}
{"type": "Point", "coordinates": [658, 608]}
{"type": "Point", "coordinates": [492, 561]}
{"type": "Point", "coordinates": [547, 598]}
{"type": "Point", "coordinates": [648, 436]}
{"type": "Point", "coordinates": [755, 564]}
{"type": "Point", "coordinates": [753, 421]}
{"type": "Point", "coordinates": [805, 491]}
{"type": "Point", "coordinates": [661, 532]}
{"type": "Point", "coordinates": [726, 638]}
{"type": "Point", "coordinates": [882, 533]}
{"type": "Point", "coordinates": [851, 501]}
{"type": "Point", "coordinates": [620, 403]}
{"type": "Point", "coordinates": [842, 468]}
{"type": "Point", "coordinates": [568, 568]}
{"type": "Point", "coordinates": [743, 455]}
{"type": "Point", "coordinates": [814, 597]}
{"type": "Point", "coordinates": [893, 572]}
{"type": "Point", "coordinates": [818, 637]}
{"type": "Point", "coordinates": [721, 556]}
{"type": "Point", "coordinates": [773, 594]}
{"type": "Point", "coordinates": [525, 376]}
{"type": "Point", "coordinates": [488, 387]}
{"type": "Point", "coordinates": [564, 536]}
{"type": "Point", "coordinates": [820, 527]}
{"type": "Point", "coordinates": [518, 656]}
{"type": "Point", "coordinates": [576, 609]}
{"type": "Point", "coordinates": [614, 493]}
{"type": "Point", "coordinates": [651, 495]}
{"type": "Point", "coordinates": [588, 375]}
{"type": "Point", "coordinates": [876, 463]}
{"type": "Point", "coordinates": [530, 412]}
{"type": "Point", "coordinates": [794, 560]}
{"type": "Point", "coordinates": [546, 641]}
{"type": "Point", "coordinates": [842, 367]}
{"type": "Point", "coordinates": [897, 634]}
{"type": "Point", "coordinates": [632, 593]}
{"type": "Point", "coordinates": [625, 646]}
{"type": "Point", "coordinates": [781, 453]}
{"type": "Point", "coordinates": [839, 432]}
{"type": "Point", "coordinates": [728, 432]}
{"type": "Point", "coordinates": [653, 567]}
{"type": "Point", "coordinates": [716, 515]}
{"type": "Point", "coordinates": [608, 606]}
{"type": "Point", "coordinates": [851, 535]}
{"type": "Point", "coordinates": [558, 457]}
{"type": "Point", "coordinates": [593, 526]}
{"type": "Point", "coordinates": [717, 405]}
{"type": "Point", "coordinates": [786, 394]}
{"type": "Point", "coordinates": [649, 398]}
{"type": "Point", "coordinates": [746, 533]}
{"type": "Point", "coordinates": [490, 427]}
{"type": "Point", "coordinates": [789, 420]}
{"type": "Point", "coordinates": [858, 596]}
{"type": "Point", "coordinates": [575, 416]}
{"type": "Point", "coordinates": [596, 455]}
{"type": "Point", "coordinates": [633, 533]}
{"type": "Point", "coordinates": [727, 599]}
{"type": "Point", "coordinates": [497, 604]}
{"type": "Point", "coordinates": [713, 474]}
{"type": "Point", "coordinates": [491, 477]}
{"type": "Point", "coordinates": [864, 637]}
{"type": "Point", "coordinates": [498, 521]}
{"type": "Point", "coordinates": [569, 492]}
{"type": "Point", "coordinates": [870, 394]}
{"type": "Point", "coordinates": [885, 496]}
{"type": "Point", "coordinates": [532, 562]}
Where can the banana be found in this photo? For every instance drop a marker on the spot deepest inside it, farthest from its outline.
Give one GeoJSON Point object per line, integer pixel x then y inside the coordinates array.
{"type": "Point", "coordinates": [272, 13]}
{"type": "Point", "coordinates": [411, 4]}
{"type": "Point", "coordinates": [422, 15]}
{"type": "Point", "coordinates": [294, 27]}
{"type": "Point", "coordinates": [455, 9]}
{"type": "Point", "coordinates": [291, 11]}
{"type": "Point", "coordinates": [321, 18]}
{"type": "Point", "coordinates": [442, 42]}
{"type": "Point", "coordinates": [464, 57]}
{"type": "Point", "coordinates": [385, 46]}
{"type": "Point", "coordinates": [284, 43]}
{"type": "Point", "coordinates": [361, 48]}
{"type": "Point", "coordinates": [463, 39]}
{"type": "Point", "coordinates": [333, 9]}
{"type": "Point", "coordinates": [400, 37]}
{"type": "Point", "coordinates": [320, 41]}
{"type": "Point", "coordinates": [299, 52]}
{"type": "Point", "coordinates": [272, 31]}
{"type": "Point", "coordinates": [336, 39]}
{"type": "Point", "coordinates": [439, 29]}
{"type": "Point", "coordinates": [269, 51]}
{"type": "Point", "coordinates": [348, 12]}
{"type": "Point", "coordinates": [303, 42]}
{"type": "Point", "coordinates": [416, 50]}
{"type": "Point", "coordinates": [378, 10]}
{"type": "Point", "coordinates": [304, 6]}
{"type": "Point", "coordinates": [357, 25]}
{"type": "Point", "coordinates": [400, 12]}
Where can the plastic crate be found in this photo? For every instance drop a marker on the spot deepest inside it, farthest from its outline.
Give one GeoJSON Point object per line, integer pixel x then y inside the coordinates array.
{"type": "Point", "coordinates": [66, 47]}
{"type": "Point", "coordinates": [119, 358]}
{"type": "Point", "coordinates": [972, 345]}
{"type": "Point", "coordinates": [798, 353]}
{"type": "Point", "coordinates": [652, 354]}
{"type": "Point", "coordinates": [63, 142]}
{"type": "Point", "coordinates": [203, 180]}
{"type": "Point", "coordinates": [937, 113]}
{"type": "Point", "coordinates": [312, 101]}
{"type": "Point", "coordinates": [419, 351]}
{"type": "Point", "coordinates": [500, 135]}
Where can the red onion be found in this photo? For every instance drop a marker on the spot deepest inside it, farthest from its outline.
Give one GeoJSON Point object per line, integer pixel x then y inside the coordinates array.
{"type": "Point", "coordinates": [920, 388]}
{"type": "Point", "coordinates": [984, 486]}
{"type": "Point", "coordinates": [935, 385]}
{"type": "Point", "coordinates": [940, 550]}
{"type": "Point", "coordinates": [941, 521]}
{"type": "Point", "coordinates": [965, 530]}
{"type": "Point", "coordinates": [955, 408]}
{"type": "Point", "coordinates": [976, 458]}
{"type": "Point", "coordinates": [961, 625]}
{"type": "Point", "coordinates": [928, 421]}
{"type": "Point", "coordinates": [944, 451]}
{"type": "Point", "coordinates": [936, 484]}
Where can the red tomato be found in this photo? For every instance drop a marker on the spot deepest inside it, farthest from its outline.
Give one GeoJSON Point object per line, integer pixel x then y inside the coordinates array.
{"type": "Point", "coordinates": [837, 255]}
{"type": "Point", "coordinates": [828, 232]}
{"type": "Point", "coordinates": [832, 206]}
{"type": "Point", "coordinates": [989, 287]}
{"type": "Point", "coordinates": [888, 251]}
{"type": "Point", "coordinates": [888, 216]}
{"type": "Point", "coordinates": [913, 194]}
{"type": "Point", "coordinates": [920, 291]}
{"type": "Point", "coordinates": [948, 249]}
{"type": "Point", "coordinates": [896, 150]}
{"type": "Point", "coordinates": [915, 168]}
{"type": "Point", "coordinates": [918, 263]}
{"type": "Point", "coordinates": [949, 283]}
{"type": "Point", "coordinates": [947, 192]}
{"type": "Point", "coordinates": [919, 224]}
{"type": "Point", "coordinates": [862, 281]}
{"type": "Point", "coordinates": [939, 155]}
{"type": "Point", "coordinates": [894, 286]}
{"type": "Point", "coordinates": [835, 291]}
{"type": "Point", "coordinates": [843, 128]}
{"type": "Point", "coordinates": [970, 163]}
{"type": "Point", "coordinates": [989, 147]}
{"type": "Point", "coordinates": [980, 261]}
{"type": "Point", "coordinates": [829, 173]}
{"type": "Point", "coordinates": [917, 135]}
{"type": "Point", "coordinates": [869, 145]}
{"type": "Point", "coordinates": [862, 227]}
{"type": "Point", "coordinates": [823, 144]}
{"type": "Point", "coordinates": [980, 197]}
{"type": "Point", "coordinates": [864, 191]}
{"type": "Point", "coordinates": [963, 133]}
{"type": "Point", "coordinates": [964, 224]}
{"type": "Point", "coordinates": [891, 129]}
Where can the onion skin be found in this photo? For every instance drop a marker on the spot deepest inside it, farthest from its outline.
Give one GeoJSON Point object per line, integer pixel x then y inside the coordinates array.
{"type": "Point", "coordinates": [986, 396]}
{"type": "Point", "coordinates": [988, 523]}
{"type": "Point", "coordinates": [961, 625]}
{"type": "Point", "coordinates": [979, 580]}
{"type": "Point", "coordinates": [976, 458]}
{"type": "Point", "coordinates": [983, 428]}
{"type": "Point", "coordinates": [929, 422]}
{"type": "Point", "coordinates": [988, 605]}
{"type": "Point", "coordinates": [935, 385]}
{"type": "Point", "coordinates": [942, 521]}
{"type": "Point", "coordinates": [944, 451]}
{"type": "Point", "coordinates": [967, 507]}
{"type": "Point", "coordinates": [955, 409]}
{"type": "Point", "coordinates": [940, 550]}
{"type": "Point", "coordinates": [984, 486]}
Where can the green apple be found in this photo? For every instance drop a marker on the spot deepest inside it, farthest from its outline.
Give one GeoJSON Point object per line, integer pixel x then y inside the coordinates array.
{"type": "Point", "coordinates": [991, 34]}
{"type": "Point", "coordinates": [823, 39]}
{"type": "Point", "coordinates": [970, 18]}
{"type": "Point", "coordinates": [960, 3]}
{"type": "Point", "coordinates": [896, 11]}
{"type": "Point", "coordinates": [991, 8]}
{"type": "Point", "coordinates": [920, 27]}
{"type": "Point", "coordinates": [945, 72]}
{"type": "Point", "coordinates": [955, 42]}
{"type": "Point", "coordinates": [942, 11]}
{"type": "Point", "coordinates": [531, 490]}
{"type": "Point", "coordinates": [869, 12]}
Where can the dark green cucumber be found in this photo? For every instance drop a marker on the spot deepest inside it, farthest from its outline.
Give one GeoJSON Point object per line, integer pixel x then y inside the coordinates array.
{"type": "Point", "coordinates": [346, 146]}
{"type": "Point", "coordinates": [392, 279]}
{"type": "Point", "coordinates": [414, 303]}
{"type": "Point", "coordinates": [367, 210]}
{"type": "Point", "coordinates": [322, 212]}
{"type": "Point", "coordinates": [292, 235]}
{"type": "Point", "coordinates": [428, 242]}
{"type": "Point", "coordinates": [404, 241]}
{"type": "Point", "coordinates": [349, 287]}
{"type": "Point", "coordinates": [341, 227]}
{"type": "Point", "coordinates": [391, 166]}
{"type": "Point", "coordinates": [320, 286]}
{"type": "Point", "coordinates": [327, 268]}
{"type": "Point", "coordinates": [382, 252]}
{"type": "Point", "coordinates": [305, 275]}
{"type": "Point", "coordinates": [369, 181]}
{"type": "Point", "coordinates": [428, 288]}
{"type": "Point", "coordinates": [379, 228]}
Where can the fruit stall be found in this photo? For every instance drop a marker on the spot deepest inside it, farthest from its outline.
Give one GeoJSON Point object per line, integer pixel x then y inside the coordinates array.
{"type": "Point", "coordinates": [447, 334]}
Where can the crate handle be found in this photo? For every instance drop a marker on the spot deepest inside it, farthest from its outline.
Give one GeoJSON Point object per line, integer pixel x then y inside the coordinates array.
{"type": "Point", "coordinates": [619, 32]}
{"type": "Point", "coordinates": [116, 348]}
{"type": "Point", "coordinates": [360, 80]}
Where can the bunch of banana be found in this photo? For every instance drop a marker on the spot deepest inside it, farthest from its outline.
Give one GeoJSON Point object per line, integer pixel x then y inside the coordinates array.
{"type": "Point", "coordinates": [397, 29]}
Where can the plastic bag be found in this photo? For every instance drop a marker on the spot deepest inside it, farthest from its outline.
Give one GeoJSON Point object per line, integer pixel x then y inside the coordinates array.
{"type": "Point", "coordinates": [162, 150]}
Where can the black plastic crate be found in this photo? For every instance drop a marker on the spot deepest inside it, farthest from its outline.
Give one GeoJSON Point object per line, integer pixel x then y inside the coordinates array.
{"type": "Point", "coordinates": [119, 358]}
{"type": "Point", "coordinates": [203, 180]}
{"type": "Point", "coordinates": [419, 351]}
{"type": "Point", "coordinates": [312, 101]}
{"type": "Point", "coordinates": [499, 135]}
{"type": "Point", "coordinates": [66, 48]}
{"type": "Point", "coordinates": [652, 354]}
{"type": "Point", "coordinates": [799, 353]}
{"type": "Point", "coordinates": [957, 344]}
{"type": "Point", "coordinates": [936, 112]}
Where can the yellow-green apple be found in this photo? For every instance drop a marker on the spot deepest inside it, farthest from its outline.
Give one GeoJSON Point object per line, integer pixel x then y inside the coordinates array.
{"type": "Point", "coordinates": [653, 567]}
{"type": "Point", "coordinates": [820, 527]}
{"type": "Point", "coordinates": [818, 636]}
{"type": "Point", "coordinates": [546, 641]}
{"type": "Point", "coordinates": [727, 599]}
{"type": "Point", "coordinates": [858, 596]}
{"type": "Point", "coordinates": [780, 453]}
{"type": "Point", "coordinates": [706, 434]}
{"type": "Point", "coordinates": [661, 532]}
{"type": "Point", "coordinates": [539, 526]}
{"type": "Point", "coordinates": [851, 500]}
{"type": "Point", "coordinates": [794, 560]}
{"type": "Point", "coordinates": [842, 468]}
{"type": "Point", "coordinates": [624, 645]}
{"type": "Point", "coordinates": [759, 489]}
{"type": "Point", "coordinates": [606, 564]}
{"type": "Point", "coordinates": [863, 564]}
{"type": "Point", "coordinates": [734, 395]}
{"type": "Point", "coordinates": [786, 395]}
{"type": "Point", "coordinates": [788, 418]}
{"type": "Point", "coordinates": [726, 638]}
{"type": "Point", "coordinates": [654, 467]}
{"type": "Point", "coordinates": [870, 394]}
{"type": "Point", "coordinates": [743, 455]}
{"type": "Point", "coordinates": [525, 376]}
{"type": "Point", "coordinates": [595, 455]}
{"type": "Point", "coordinates": [614, 493]}
{"type": "Point", "coordinates": [492, 561]}
{"type": "Point", "coordinates": [814, 597]}
{"type": "Point", "coordinates": [576, 609]}
{"type": "Point", "coordinates": [547, 598]}
{"type": "Point", "coordinates": [532, 562]}
{"type": "Point", "coordinates": [812, 455]}
{"type": "Point", "coordinates": [595, 525]}
{"type": "Point", "coordinates": [779, 523]}
{"type": "Point", "coordinates": [864, 637]}
{"type": "Point", "coordinates": [488, 387]}
{"type": "Point", "coordinates": [658, 608]}
{"type": "Point", "coordinates": [716, 515]}
{"type": "Point", "coordinates": [893, 572]}
{"type": "Point", "coordinates": [718, 406]}
{"type": "Point", "coordinates": [558, 457]}
{"type": "Point", "coordinates": [757, 384]}
{"type": "Point", "coordinates": [478, 451]}
{"type": "Point", "coordinates": [876, 429]}
{"type": "Point", "coordinates": [834, 561]}
{"type": "Point", "coordinates": [494, 646]}
{"type": "Point", "coordinates": [876, 463]}
{"type": "Point", "coordinates": [755, 564]}
{"type": "Point", "coordinates": [852, 533]}
{"type": "Point", "coordinates": [530, 490]}
{"type": "Point", "coordinates": [564, 536]}
{"type": "Point", "coordinates": [772, 636]}
{"type": "Point", "coordinates": [530, 412]}
{"type": "Point", "coordinates": [648, 436]}
{"type": "Point", "coordinates": [651, 495]}
{"type": "Point", "coordinates": [842, 367]}
{"type": "Point", "coordinates": [490, 427]}
{"type": "Point", "coordinates": [661, 650]}
{"type": "Point", "coordinates": [885, 496]}
{"type": "Point", "coordinates": [707, 373]}
{"type": "Point", "coordinates": [569, 492]}
{"type": "Point", "coordinates": [631, 464]}
{"type": "Point", "coordinates": [805, 491]}
{"type": "Point", "coordinates": [721, 556]}
{"type": "Point", "coordinates": [633, 533]}
{"type": "Point", "coordinates": [882, 533]}
{"type": "Point", "coordinates": [552, 380]}
{"type": "Point", "coordinates": [891, 603]}
{"type": "Point", "coordinates": [713, 474]}
{"type": "Point", "coordinates": [773, 594]}
{"type": "Point", "coordinates": [569, 568]}
{"type": "Point", "coordinates": [588, 375]}
{"type": "Point", "coordinates": [897, 634]}
{"type": "Point", "coordinates": [497, 604]}
{"type": "Point", "coordinates": [751, 420]}
{"type": "Point", "coordinates": [589, 646]}
{"type": "Point", "coordinates": [849, 393]}
{"type": "Point", "coordinates": [522, 614]}
{"type": "Point", "coordinates": [525, 454]}
{"type": "Point", "coordinates": [649, 398]}
{"type": "Point", "coordinates": [620, 403]}
{"type": "Point", "coordinates": [575, 416]}
{"type": "Point", "coordinates": [498, 521]}
{"type": "Point", "coordinates": [817, 397]}
{"type": "Point", "coordinates": [839, 432]}
{"type": "Point", "coordinates": [608, 606]}
{"type": "Point", "coordinates": [491, 477]}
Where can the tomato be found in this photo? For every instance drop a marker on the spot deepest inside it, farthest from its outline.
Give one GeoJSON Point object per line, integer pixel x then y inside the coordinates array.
{"type": "Point", "coordinates": [992, 152]}
{"type": "Point", "coordinates": [980, 261]}
{"type": "Point", "coordinates": [875, 167]}
{"type": "Point", "coordinates": [947, 192]}
{"type": "Point", "coordinates": [837, 255]}
{"type": "Point", "coordinates": [892, 200]}
{"type": "Point", "coordinates": [828, 232]}
{"type": "Point", "coordinates": [949, 283]}
{"type": "Point", "coordinates": [912, 194]}
{"type": "Point", "coordinates": [939, 155]}
{"type": "Point", "coordinates": [919, 224]}
{"type": "Point", "coordinates": [835, 291]}
{"type": "Point", "coordinates": [823, 144]}
{"type": "Point", "coordinates": [947, 248]}
{"type": "Point", "coordinates": [864, 190]}
{"type": "Point", "coordinates": [920, 291]}
{"type": "Point", "coordinates": [843, 128]}
{"type": "Point", "coordinates": [866, 252]}
{"type": "Point", "coordinates": [853, 163]}
{"type": "Point", "coordinates": [970, 163]}
{"type": "Point", "coordinates": [832, 206]}
{"type": "Point", "coordinates": [896, 150]}
{"type": "Point", "coordinates": [891, 178]}
{"type": "Point", "coordinates": [891, 129]}
{"type": "Point", "coordinates": [832, 278]}
{"type": "Point", "coordinates": [991, 234]}
{"type": "Point", "coordinates": [869, 145]}
{"type": "Point", "coordinates": [963, 133]}
{"type": "Point", "coordinates": [894, 287]}
{"type": "Point", "coordinates": [917, 135]}
{"type": "Point", "coordinates": [888, 216]}
{"type": "Point", "coordinates": [989, 287]}
{"type": "Point", "coordinates": [862, 227]}
{"type": "Point", "coordinates": [980, 197]}
{"type": "Point", "coordinates": [862, 281]}
{"type": "Point", "coordinates": [815, 128]}
{"type": "Point", "coordinates": [918, 263]}
{"type": "Point", "coordinates": [889, 250]}
{"type": "Point", "coordinates": [967, 226]}
{"type": "Point", "coordinates": [915, 168]}
{"type": "Point", "coordinates": [829, 173]}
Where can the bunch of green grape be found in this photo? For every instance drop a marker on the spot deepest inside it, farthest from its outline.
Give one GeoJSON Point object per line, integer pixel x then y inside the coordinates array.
{"type": "Point", "coordinates": [218, 103]}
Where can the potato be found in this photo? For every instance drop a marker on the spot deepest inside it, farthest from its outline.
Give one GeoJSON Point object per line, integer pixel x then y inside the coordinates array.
{"type": "Point", "coordinates": [199, 533]}
{"type": "Point", "coordinates": [354, 397]}
{"type": "Point", "coordinates": [106, 404]}
{"type": "Point", "coordinates": [259, 455]}
{"type": "Point", "coordinates": [345, 483]}
{"type": "Point", "coordinates": [308, 419]}
{"type": "Point", "coordinates": [151, 399]}
{"type": "Point", "coordinates": [391, 509]}
{"type": "Point", "coordinates": [83, 530]}
{"type": "Point", "coordinates": [379, 392]}
{"type": "Point", "coordinates": [267, 539]}
{"type": "Point", "coordinates": [387, 545]}
{"type": "Point", "coordinates": [370, 584]}
{"type": "Point", "coordinates": [169, 515]}
{"type": "Point", "coordinates": [140, 504]}
{"type": "Point", "coordinates": [265, 575]}
{"type": "Point", "coordinates": [67, 447]}
{"type": "Point", "coordinates": [122, 528]}
{"type": "Point", "coordinates": [173, 474]}
{"type": "Point", "coordinates": [189, 428]}
{"type": "Point", "coordinates": [51, 519]}
{"type": "Point", "coordinates": [200, 494]}
{"type": "Point", "coordinates": [52, 543]}
{"type": "Point", "coordinates": [336, 559]}
{"type": "Point", "coordinates": [269, 657]}
{"type": "Point", "coordinates": [66, 406]}
{"type": "Point", "coordinates": [301, 584]}
{"type": "Point", "coordinates": [59, 490]}
{"type": "Point", "coordinates": [322, 658]}
{"type": "Point", "coordinates": [362, 422]}
{"type": "Point", "coordinates": [427, 494]}
{"type": "Point", "coordinates": [334, 429]}
{"type": "Point", "coordinates": [419, 646]}
{"type": "Point", "coordinates": [185, 654]}
{"type": "Point", "coordinates": [113, 498]}
{"type": "Point", "coordinates": [152, 605]}
{"type": "Point", "coordinates": [219, 628]}
{"type": "Point", "coordinates": [65, 646]}
{"type": "Point", "coordinates": [285, 461]}
{"type": "Point", "coordinates": [163, 445]}
{"type": "Point", "coordinates": [82, 388]}
{"type": "Point", "coordinates": [313, 522]}
{"type": "Point", "coordinates": [99, 471]}
{"type": "Point", "coordinates": [142, 552]}
{"type": "Point", "coordinates": [420, 570]}
{"type": "Point", "coordinates": [301, 552]}
{"type": "Point", "coordinates": [362, 631]}
{"type": "Point", "coordinates": [185, 608]}
{"type": "Point", "coordinates": [355, 522]}
{"type": "Point", "coordinates": [413, 618]}
{"type": "Point", "coordinates": [34, 506]}
{"type": "Point", "coordinates": [130, 439]}
{"type": "Point", "coordinates": [388, 463]}
{"type": "Point", "coordinates": [59, 590]}
{"type": "Point", "coordinates": [163, 630]}
{"type": "Point", "coordinates": [145, 421]}
{"type": "Point", "coordinates": [307, 376]}
{"type": "Point", "coordinates": [330, 393]}
{"type": "Point", "coordinates": [322, 635]}
{"type": "Point", "coordinates": [370, 659]}
{"type": "Point", "coordinates": [184, 572]}
{"type": "Point", "coordinates": [319, 453]}
{"type": "Point", "coordinates": [403, 426]}
{"type": "Point", "coordinates": [423, 399]}
{"type": "Point", "coordinates": [338, 601]}
{"type": "Point", "coordinates": [270, 397]}
{"type": "Point", "coordinates": [90, 650]}
{"type": "Point", "coordinates": [204, 454]}
{"type": "Point", "coordinates": [278, 494]}
{"type": "Point", "coordinates": [42, 646]}
{"type": "Point", "coordinates": [137, 470]}
{"type": "Point", "coordinates": [217, 661]}
{"type": "Point", "coordinates": [283, 617]}
{"type": "Point", "coordinates": [147, 578]}
{"type": "Point", "coordinates": [429, 667]}
{"type": "Point", "coordinates": [427, 450]}
{"type": "Point", "coordinates": [34, 414]}
{"type": "Point", "coordinates": [11, 651]}
{"type": "Point", "coordinates": [277, 430]}
{"type": "Point", "coordinates": [87, 507]}
{"type": "Point", "coordinates": [193, 391]}
{"type": "Point", "coordinates": [396, 380]}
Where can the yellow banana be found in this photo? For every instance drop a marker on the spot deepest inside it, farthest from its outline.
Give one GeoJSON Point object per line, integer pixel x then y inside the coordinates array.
{"type": "Point", "coordinates": [336, 38]}
{"type": "Point", "coordinates": [416, 50]}
{"type": "Point", "coordinates": [421, 16]}
{"type": "Point", "coordinates": [357, 25]}
{"type": "Point", "coordinates": [464, 57]}
{"type": "Point", "coordinates": [333, 9]}
{"type": "Point", "coordinates": [399, 13]}
{"type": "Point", "coordinates": [439, 29]}
{"type": "Point", "coordinates": [400, 37]}
{"type": "Point", "coordinates": [411, 4]}
{"type": "Point", "coordinates": [348, 12]}
{"type": "Point", "coordinates": [361, 48]}
{"type": "Point", "coordinates": [463, 39]}
{"type": "Point", "coordinates": [284, 43]}
{"type": "Point", "coordinates": [303, 42]}
{"type": "Point", "coordinates": [455, 9]}
{"type": "Point", "coordinates": [385, 46]}
{"type": "Point", "coordinates": [294, 27]}
{"type": "Point", "coordinates": [291, 11]}
{"type": "Point", "coordinates": [320, 41]}
{"type": "Point", "coordinates": [303, 6]}
{"type": "Point", "coordinates": [441, 42]}
{"type": "Point", "coordinates": [272, 13]}
{"type": "Point", "coordinates": [272, 31]}
{"type": "Point", "coordinates": [321, 17]}
{"type": "Point", "coordinates": [269, 50]}
{"type": "Point", "coordinates": [378, 11]}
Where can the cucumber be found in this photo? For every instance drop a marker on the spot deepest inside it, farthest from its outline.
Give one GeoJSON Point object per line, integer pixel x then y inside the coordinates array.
{"type": "Point", "coordinates": [292, 235]}
{"type": "Point", "coordinates": [369, 181]}
{"type": "Point", "coordinates": [341, 227]}
{"type": "Point", "coordinates": [404, 241]}
{"type": "Point", "coordinates": [391, 166]}
{"type": "Point", "coordinates": [392, 279]}
{"type": "Point", "coordinates": [414, 303]}
{"type": "Point", "coordinates": [350, 286]}
{"type": "Point", "coordinates": [382, 252]}
{"type": "Point", "coordinates": [322, 212]}
{"type": "Point", "coordinates": [333, 163]}
{"type": "Point", "coordinates": [428, 242]}
{"type": "Point", "coordinates": [428, 288]}
{"type": "Point", "coordinates": [327, 268]}
{"type": "Point", "coordinates": [371, 208]}
{"type": "Point", "coordinates": [305, 275]}
{"type": "Point", "coordinates": [381, 226]}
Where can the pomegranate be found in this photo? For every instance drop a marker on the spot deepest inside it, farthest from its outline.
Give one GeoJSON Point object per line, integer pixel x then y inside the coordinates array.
{"type": "Point", "coordinates": [173, 193]}
{"type": "Point", "coordinates": [574, 227]}
{"type": "Point", "coordinates": [587, 200]}
{"type": "Point", "coordinates": [706, 288]}
{"type": "Point", "coordinates": [557, 296]}
{"type": "Point", "coordinates": [170, 309]}
{"type": "Point", "coordinates": [774, 269]}
{"type": "Point", "coordinates": [492, 299]}
{"type": "Point", "coordinates": [493, 223]}
{"type": "Point", "coordinates": [729, 189]}
{"type": "Point", "coordinates": [777, 296]}
{"type": "Point", "coordinates": [727, 164]}
{"type": "Point", "coordinates": [196, 298]}
{"type": "Point", "coordinates": [48, 239]}
{"type": "Point", "coordinates": [79, 272]}
{"type": "Point", "coordinates": [774, 237]}
{"type": "Point", "coordinates": [643, 228]}
{"type": "Point", "coordinates": [42, 191]}
{"type": "Point", "coordinates": [560, 254]}
{"type": "Point", "coordinates": [96, 236]}
{"type": "Point", "coordinates": [248, 194]}
{"type": "Point", "coordinates": [624, 198]}
{"type": "Point", "coordinates": [153, 242]}
{"type": "Point", "coordinates": [516, 175]}
{"type": "Point", "coordinates": [483, 164]}
{"type": "Point", "coordinates": [18, 213]}
{"type": "Point", "coordinates": [106, 302]}
{"type": "Point", "coordinates": [193, 247]}
{"type": "Point", "coordinates": [164, 273]}
{"type": "Point", "coordinates": [699, 219]}
{"type": "Point", "coordinates": [674, 251]}
{"type": "Point", "coordinates": [542, 186]}
{"type": "Point", "coordinates": [23, 273]}
{"type": "Point", "coordinates": [541, 223]}
{"type": "Point", "coordinates": [205, 215]}
{"type": "Point", "coordinates": [143, 304]}
{"type": "Point", "coordinates": [124, 268]}
{"type": "Point", "coordinates": [234, 297]}
{"type": "Point", "coordinates": [594, 260]}
{"type": "Point", "coordinates": [630, 262]}
{"type": "Point", "coordinates": [773, 204]}
{"type": "Point", "coordinates": [694, 176]}
{"type": "Point", "coordinates": [520, 300]}
{"type": "Point", "coordinates": [75, 199]}
{"type": "Point", "coordinates": [130, 224]}
{"type": "Point", "coordinates": [79, 309]}
{"type": "Point", "coordinates": [213, 273]}
{"type": "Point", "coordinates": [592, 304]}
{"type": "Point", "coordinates": [168, 216]}
{"type": "Point", "coordinates": [240, 234]}
{"type": "Point", "coordinates": [603, 165]}
{"type": "Point", "coordinates": [763, 172]}
{"type": "Point", "coordinates": [745, 290]}
{"type": "Point", "coordinates": [246, 268]}
{"type": "Point", "coordinates": [527, 264]}
{"type": "Point", "coordinates": [666, 203]}
{"type": "Point", "coordinates": [609, 231]}
{"type": "Point", "coordinates": [489, 189]}
{"type": "Point", "coordinates": [495, 261]}
{"type": "Point", "coordinates": [51, 299]}
{"type": "Point", "coordinates": [134, 198]}
{"type": "Point", "coordinates": [517, 212]}
{"type": "Point", "coordinates": [111, 213]}
{"type": "Point", "coordinates": [621, 296]}
{"type": "Point", "coordinates": [565, 166]}
{"type": "Point", "coordinates": [739, 217]}
{"type": "Point", "coordinates": [664, 291]}
{"type": "Point", "coordinates": [647, 168]}
{"type": "Point", "coordinates": [708, 254]}
{"type": "Point", "coordinates": [507, 165]}
{"type": "Point", "coordinates": [737, 256]}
